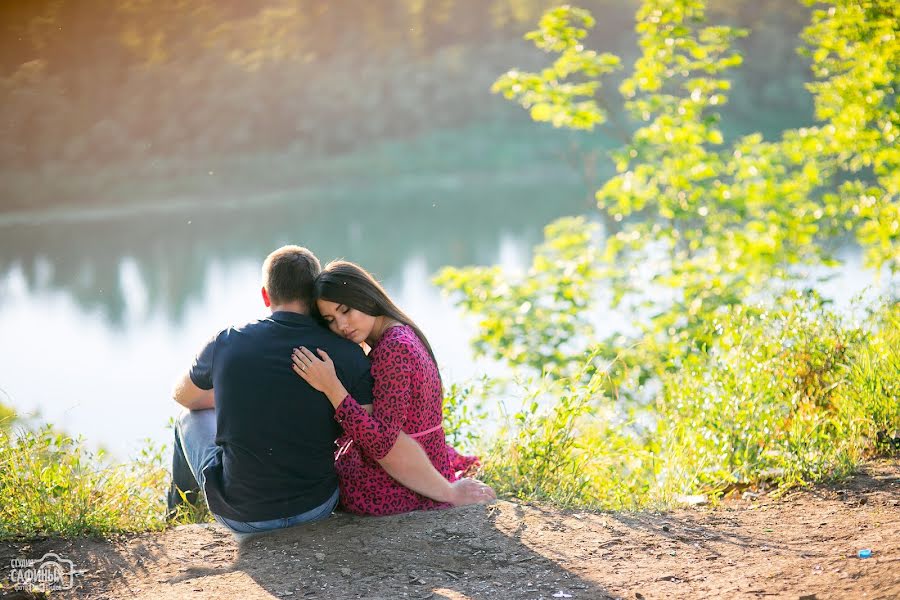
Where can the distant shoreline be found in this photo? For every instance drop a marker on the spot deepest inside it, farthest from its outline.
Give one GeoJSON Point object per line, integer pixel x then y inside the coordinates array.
{"type": "Point", "coordinates": [516, 156]}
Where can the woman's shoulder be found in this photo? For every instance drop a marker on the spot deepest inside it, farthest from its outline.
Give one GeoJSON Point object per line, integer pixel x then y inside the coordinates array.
{"type": "Point", "coordinates": [398, 336]}
{"type": "Point", "coordinates": [397, 339]}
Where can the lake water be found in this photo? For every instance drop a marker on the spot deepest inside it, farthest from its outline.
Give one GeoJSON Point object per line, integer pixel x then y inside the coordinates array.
{"type": "Point", "coordinates": [101, 310]}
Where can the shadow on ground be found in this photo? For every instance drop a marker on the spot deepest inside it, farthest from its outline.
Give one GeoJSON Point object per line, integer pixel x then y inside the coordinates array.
{"type": "Point", "coordinates": [454, 554]}
{"type": "Point", "coordinates": [804, 544]}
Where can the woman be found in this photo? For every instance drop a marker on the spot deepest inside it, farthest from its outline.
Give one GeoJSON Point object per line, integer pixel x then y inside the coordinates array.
{"type": "Point", "coordinates": [407, 394]}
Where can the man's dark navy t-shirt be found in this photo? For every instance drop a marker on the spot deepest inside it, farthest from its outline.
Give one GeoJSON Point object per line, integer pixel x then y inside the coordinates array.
{"type": "Point", "coordinates": [274, 431]}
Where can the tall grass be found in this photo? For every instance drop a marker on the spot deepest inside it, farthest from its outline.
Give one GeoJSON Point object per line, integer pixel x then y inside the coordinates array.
{"type": "Point", "coordinates": [52, 485]}
{"type": "Point", "coordinates": [783, 396]}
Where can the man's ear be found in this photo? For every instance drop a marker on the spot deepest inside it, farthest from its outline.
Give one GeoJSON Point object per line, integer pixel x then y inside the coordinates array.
{"type": "Point", "coordinates": [265, 296]}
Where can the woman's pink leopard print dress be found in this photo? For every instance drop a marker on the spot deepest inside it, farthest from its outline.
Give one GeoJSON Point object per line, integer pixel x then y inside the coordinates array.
{"type": "Point", "coordinates": [407, 397]}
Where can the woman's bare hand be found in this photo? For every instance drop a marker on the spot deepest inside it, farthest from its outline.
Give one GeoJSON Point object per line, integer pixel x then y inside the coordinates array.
{"type": "Point", "coordinates": [319, 373]}
{"type": "Point", "coordinates": [471, 491]}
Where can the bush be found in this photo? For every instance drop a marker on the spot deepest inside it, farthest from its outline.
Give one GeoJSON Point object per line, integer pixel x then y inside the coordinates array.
{"type": "Point", "coordinates": [52, 485]}
{"type": "Point", "coordinates": [785, 395]}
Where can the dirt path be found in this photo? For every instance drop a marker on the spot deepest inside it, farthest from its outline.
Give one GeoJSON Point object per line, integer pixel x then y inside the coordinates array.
{"type": "Point", "coordinates": [802, 546]}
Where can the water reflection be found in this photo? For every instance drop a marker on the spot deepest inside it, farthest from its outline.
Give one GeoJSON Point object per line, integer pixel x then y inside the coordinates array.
{"type": "Point", "coordinates": [96, 262]}
{"type": "Point", "coordinates": [99, 317]}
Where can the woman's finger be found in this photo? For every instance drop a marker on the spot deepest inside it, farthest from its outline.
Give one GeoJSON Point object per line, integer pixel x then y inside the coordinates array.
{"type": "Point", "coordinates": [299, 371]}
{"type": "Point", "coordinates": [308, 354]}
{"type": "Point", "coordinates": [302, 360]}
{"type": "Point", "coordinates": [324, 355]}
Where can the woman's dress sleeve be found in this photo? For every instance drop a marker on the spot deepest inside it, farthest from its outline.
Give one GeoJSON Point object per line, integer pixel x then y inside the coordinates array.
{"type": "Point", "coordinates": [393, 371]}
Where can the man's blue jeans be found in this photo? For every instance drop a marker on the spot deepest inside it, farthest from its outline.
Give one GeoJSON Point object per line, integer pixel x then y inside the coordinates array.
{"type": "Point", "coordinates": [196, 429]}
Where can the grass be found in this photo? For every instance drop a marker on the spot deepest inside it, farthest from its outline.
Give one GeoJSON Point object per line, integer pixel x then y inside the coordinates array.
{"type": "Point", "coordinates": [786, 396]}
{"type": "Point", "coordinates": [53, 485]}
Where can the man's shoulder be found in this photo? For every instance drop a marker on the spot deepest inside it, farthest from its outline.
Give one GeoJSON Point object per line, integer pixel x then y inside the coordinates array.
{"type": "Point", "coordinates": [316, 335]}
{"type": "Point", "coordinates": [343, 349]}
{"type": "Point", "coordinates": [255, 324]}
{"type": "Point", "coordinates": [241, 328]}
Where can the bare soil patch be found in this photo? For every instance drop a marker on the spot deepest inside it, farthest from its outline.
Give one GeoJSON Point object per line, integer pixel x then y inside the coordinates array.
{"type": "Point", "coordinates": [804, 545]}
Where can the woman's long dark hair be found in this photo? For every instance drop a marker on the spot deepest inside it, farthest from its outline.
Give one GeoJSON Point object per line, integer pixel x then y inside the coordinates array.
{"type": "Point", "coordinates": [349, 284]}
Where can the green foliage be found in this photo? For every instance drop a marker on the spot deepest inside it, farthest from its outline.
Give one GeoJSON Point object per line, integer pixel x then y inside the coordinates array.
{"type": "Point", "coordinates": [464, 413]}
{"type": "Point", "coordinates": [550, 95]}
{"type": "Point", "coordinates": [777, 396]}
{"type": "Point", "coordinates": [873, 383]}
{"type": "Point", "coordinates": [716, 388]}
{"type": "Point", "coordinates": [538, 318]}
{"type": "Point", "coordinates": [538, 454]}
{"type": "Point", "coordinates": [730, 219]}
{"type": "Point", "coordinates": [785, 395]}
{"type": "Point", "coordinates": [855, 49]}
{"type": "Point", "coordinates": [715, 222]}
{"type": "Point", "coordinates": [760, 398]}
{"type": "Point", "coordinates": [7, 417]}
{"type": "Point", "coordinates": [191, 510]}
{"type": "Point", "coordinates": [52, 485]}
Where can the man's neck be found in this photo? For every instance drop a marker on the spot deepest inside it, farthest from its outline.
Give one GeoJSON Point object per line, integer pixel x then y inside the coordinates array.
{"type": "Point", "coordinates": [294, 307]}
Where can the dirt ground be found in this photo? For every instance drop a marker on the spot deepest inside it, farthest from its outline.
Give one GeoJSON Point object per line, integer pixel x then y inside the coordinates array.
{"type": "Point", "coordinates": [801, 546]}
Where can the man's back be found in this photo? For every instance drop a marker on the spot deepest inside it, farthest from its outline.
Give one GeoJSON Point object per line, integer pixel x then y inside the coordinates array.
{"type": "Point", "coordinates": [275, 432]}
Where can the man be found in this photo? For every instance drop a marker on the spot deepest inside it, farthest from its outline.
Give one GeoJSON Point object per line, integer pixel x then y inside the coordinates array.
{"type": "Point", "coordinates": [258, 440]}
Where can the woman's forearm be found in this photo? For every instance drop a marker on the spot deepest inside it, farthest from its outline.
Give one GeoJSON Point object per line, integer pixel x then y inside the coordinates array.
{"type": "Point", "coordinates": [410, 466]}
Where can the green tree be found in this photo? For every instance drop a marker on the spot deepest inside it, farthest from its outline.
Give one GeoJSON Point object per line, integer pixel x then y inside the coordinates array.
{"type": "Point", "coordinates": [714, 222]}
{"type": "Point", "coordinates": [538, 318]}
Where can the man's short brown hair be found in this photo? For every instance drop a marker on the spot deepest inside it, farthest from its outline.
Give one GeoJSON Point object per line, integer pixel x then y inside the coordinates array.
{"type": "Point", "coordinates": [288, 275]}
